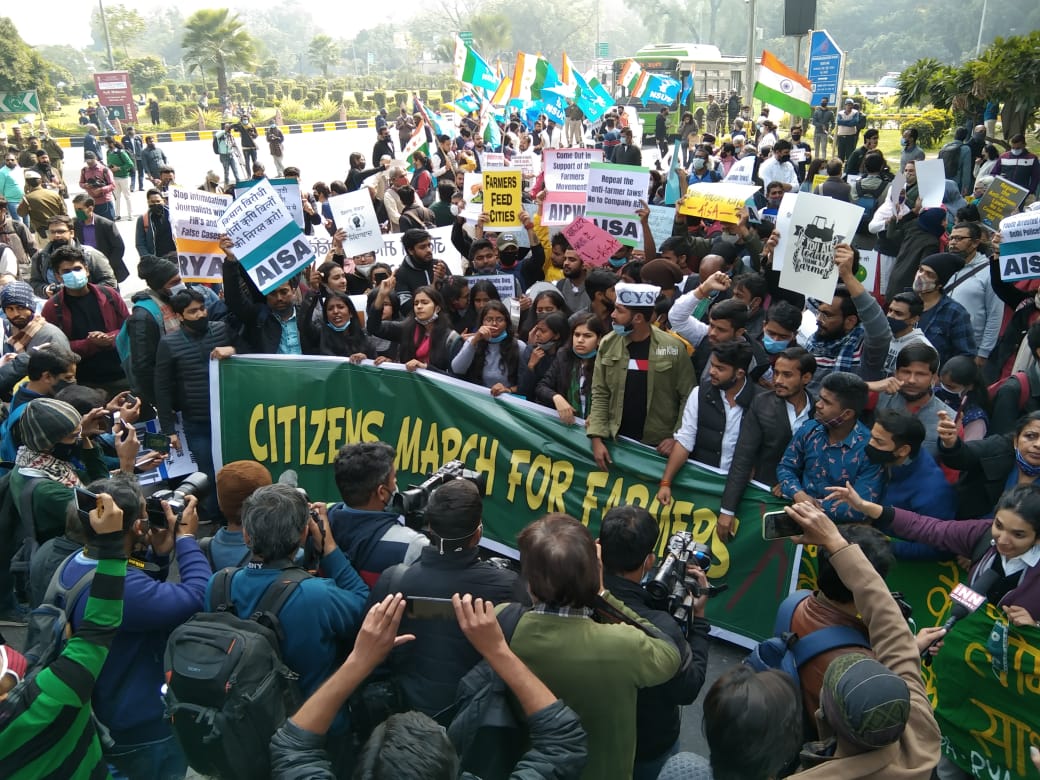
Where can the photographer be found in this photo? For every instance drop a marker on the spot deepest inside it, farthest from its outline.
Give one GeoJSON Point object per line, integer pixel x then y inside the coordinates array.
{"type": "Point", "coordinates": [127, 696]}
{"type": "Point", "coordinates": [53, 709]}
{"type": "Point", "coordinates": [429, 669]}
{"type": "Point", "coordinates": [627, 537]}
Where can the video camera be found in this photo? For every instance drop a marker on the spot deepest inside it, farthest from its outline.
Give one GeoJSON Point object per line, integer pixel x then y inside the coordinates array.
{"type": "Point", "coordinates": [412, 503]}
{"type": "Point", "coordinates": [196, 484]}
{"type": "Point", "coordinates": [672, 585]}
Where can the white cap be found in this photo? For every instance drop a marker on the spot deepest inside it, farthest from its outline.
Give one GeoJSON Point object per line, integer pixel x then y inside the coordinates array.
{"type": "Point", "coordinates": [637, 295]}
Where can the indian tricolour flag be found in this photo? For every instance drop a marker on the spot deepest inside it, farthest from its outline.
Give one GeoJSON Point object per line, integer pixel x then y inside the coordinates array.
{"type": "Point", "coordinates": [470, 67]}
{"type": "Point", "coordinates": [780, 86]}
{"type": "Point", "coordinates": [531, 74]}
{"type": "Point", "coordinates": [417, 143]}
{"type": "Point", "coordinates": [634, 79]}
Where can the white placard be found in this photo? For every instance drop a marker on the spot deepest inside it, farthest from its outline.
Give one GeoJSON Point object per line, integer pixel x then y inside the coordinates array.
{"type": "Point", "coordinates": [818, 225]}
{"type": "Point", "coordinates": [354, 214]}
{"type": "Point", "coordinates": [270, 246]}
{"type": "Point", "coordinates": [392, 252]}
{"type": "Point", "coordinates": [504, 283]}
{"type": "Point", "coordinates": [741, 171]}
{"type": "Point", "coordinates": [661, 220]}
{"type": "Point", "coordinates": [895, 190]}
{"type": "Point", "coordinates": [1020, 246]}
{"type": "Point", "coordinates": [931, 182]}
{"type": "Point", "coordinates": [783, 227]}
{"type": "Point", "coordinates": [193, 218]}
{"type": "Point", "coordinates": [288, 190]}
{"type": "Point", "coordinates": [614, 194]}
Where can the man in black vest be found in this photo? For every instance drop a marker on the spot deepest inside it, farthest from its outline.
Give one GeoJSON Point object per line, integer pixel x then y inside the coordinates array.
{"type": "Point", "coordinates": [712, 418]}
{"type": "Point", "coordinates": [766, 429]}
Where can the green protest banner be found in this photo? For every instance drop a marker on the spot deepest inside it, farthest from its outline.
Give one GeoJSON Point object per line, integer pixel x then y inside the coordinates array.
{"type": "Point", "coordinates": [295, 413]}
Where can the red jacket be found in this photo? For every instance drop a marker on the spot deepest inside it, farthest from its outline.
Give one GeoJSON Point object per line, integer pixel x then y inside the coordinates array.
{"type": "Point", "coordinates": [113, 311]}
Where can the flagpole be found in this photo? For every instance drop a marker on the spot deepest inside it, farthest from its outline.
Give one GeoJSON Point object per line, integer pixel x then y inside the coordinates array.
{"type": "Point", "coordinates": [749, 67]}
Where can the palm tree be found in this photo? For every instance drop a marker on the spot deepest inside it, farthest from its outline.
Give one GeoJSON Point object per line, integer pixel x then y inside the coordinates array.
{"type": "Point", "coordinates": [217, 41]}
{"type": "Point", "coordinates": [324, 53]}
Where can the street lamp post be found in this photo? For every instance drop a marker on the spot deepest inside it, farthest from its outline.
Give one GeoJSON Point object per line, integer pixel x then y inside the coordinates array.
{"type": "Point", "coordinates": [108, 39]}
{"type": "Point", "coordinates": [749, 66]}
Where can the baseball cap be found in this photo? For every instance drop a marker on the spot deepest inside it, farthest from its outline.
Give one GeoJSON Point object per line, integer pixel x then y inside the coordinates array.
{"type": "Point", "coordinates": [507, 241]}
{"type": "Point", "coordinates": [33, 175]}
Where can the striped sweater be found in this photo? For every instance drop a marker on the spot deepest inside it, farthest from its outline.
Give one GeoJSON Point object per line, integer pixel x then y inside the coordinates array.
{"type": "Point", "coordinates": [46, 731]}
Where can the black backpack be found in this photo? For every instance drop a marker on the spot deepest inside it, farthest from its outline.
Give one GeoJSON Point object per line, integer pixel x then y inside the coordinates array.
{"type": "Point", "coordinates": [216, 142]}
{"type": "Point", "coordinates": [228, 690]}
{"type": "Point", "coordinates": [489, 733]}
{"type": "Point", "coordinates": [17, 531]}
{"type": "Point", "coordinates": [951, 157]}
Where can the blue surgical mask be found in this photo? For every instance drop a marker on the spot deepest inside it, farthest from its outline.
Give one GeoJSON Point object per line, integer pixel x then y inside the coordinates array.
{"type": "Point", "coordinates": [621, 330]}
{"type": "Point", "coordinates": [339, 328]}
{"type": "Point", "coordinates": [773, 346]}
{"type": "Point", "coordinates": [617, 262]}
{"type": "Point", "coordinates": [74, 280]}
{"type": "Point", "coordinates": [499, 338]}
{"type": "Point", "coordinates": [585, 356]}
{"type": "Point", "coordinates": [698, 163]}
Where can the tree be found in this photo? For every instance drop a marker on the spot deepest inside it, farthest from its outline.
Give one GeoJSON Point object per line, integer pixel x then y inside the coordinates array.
{"type": "Point", "coordinates": [492, 34]}
{"type": "Point", "coordinates": [215, 40]}
{"type": "Point", "coordinates": [1008, 73]}
{"type": "Point", "coordinates": [324, 53]}
{"type": "Point", "coordinates": [269, 68]}
{"type": "Point", "coordinates": [67, 58]}
{"type": "Point", "coordinates": [125, 26]}
{"type": "Point", "coordinates": [145, 72]}
{"type": "Point", "coordinates": [21, 67]}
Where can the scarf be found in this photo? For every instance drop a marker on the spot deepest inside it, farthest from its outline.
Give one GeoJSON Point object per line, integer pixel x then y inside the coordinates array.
{"type": "Point", "coordinates": [171, 322]}
{"type": "Point", "coordinates": [20, 339]}
{"type": "Point", "coordinates": [57, 470]}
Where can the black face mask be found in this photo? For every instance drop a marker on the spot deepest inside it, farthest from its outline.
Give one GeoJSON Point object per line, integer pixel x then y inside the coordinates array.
{"type": "Point", "coordinates": [197, 327]}
{"type": "Point", "coordinates": [879, 457]}
{"type": "Point", "coordinates": [156, 211]}
{"type": "Point", "coordinates": [57, 243]}
{"type": "Point", "coordinates": [508, 259]}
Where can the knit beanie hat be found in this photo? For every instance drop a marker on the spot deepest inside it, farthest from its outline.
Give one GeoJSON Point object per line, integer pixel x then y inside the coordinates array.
{"type": "Point", "coordinates": [45, 422]}
{"type": "Point", "coordinates": [945, 265]}
{"type": "Point", "coordinates": [156, 271]}
{"type": "Point", "coordinates": [236, 482]}
{"type": "Point", "coordinates": [18, 294]}
{"type": "Point", "coordinates": [931, 221]}
{"type": "Point", "coordinates": [864, 702]}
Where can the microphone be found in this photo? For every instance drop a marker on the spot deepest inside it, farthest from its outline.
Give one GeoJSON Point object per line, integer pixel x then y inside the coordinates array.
{"type": "Point", "coordinates": [965, 601]}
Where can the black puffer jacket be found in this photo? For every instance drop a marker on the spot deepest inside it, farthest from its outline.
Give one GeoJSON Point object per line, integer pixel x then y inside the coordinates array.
{"type": "Point", "coordinates": [182, 374]}
{"type": "Point", "coordinates": [429, 669]}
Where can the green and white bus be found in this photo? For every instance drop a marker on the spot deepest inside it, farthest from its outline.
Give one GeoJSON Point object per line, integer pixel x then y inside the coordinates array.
{"type": "Point", "coordinates": [713, 73]}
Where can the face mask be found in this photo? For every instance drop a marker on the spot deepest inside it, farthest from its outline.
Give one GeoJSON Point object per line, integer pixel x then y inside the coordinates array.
{"type": "Point", "coordinates": [74, 280]}
{"type": "Point", "coordinates": [922, 285]}
{"type": "Point", "coordinates": [81, 215]}
{"type": "Point", "coordinates": [427, 321]}
{"type": "Point", "coordinates": [508, 259]}
{"type": "Point", "coordinates": [879, 457]}
{"type": "Point", "coordinates": [698, 163]}
{"type": "Point", "coordinates": [1024, 467]}
{"type": "Point", "coordinates": [773, 346]}
{"type": "Point", "coordinates": [57, 243]}
{"type": "Point", "coordinates": [63, 451]}
{"type": "Point", "coordinates": [897, 326]}
{"type": "Point", "coordinates": [196, 326]}
{"type": "Point", "coordinates": [617, 262]}
{"type": "Point", "coordinates": [60, 385]}
{"type": "Point", "coordinates": [339, 328]}
{"type": "Point", "coordinates": [948, 397]}
{"type": "Point", "coordinates": [499, 338]}
{"type": "Point", "coordinates": [585, 355]}
{"type": "Point", "coordinates": [796, 138]}
{"type": "Point", "coordinates": [902, 142]}
{"type": "Point", "coordinates": [785, 158]}
{"type": "Point", "coordinates": [834, 422]}
{"type": "Point", "coordinates": [621, 330]}
{"type": "Point", "coordinates": [548, 346]}
{"type": "Point", "coordinates": [156, 211]}
{"type": "Point", "coordinates": [177, 288]}
{"type": "Point", "coordinates": [454, 210]}
{"type": "Point", "coordinates": [1017, 152]}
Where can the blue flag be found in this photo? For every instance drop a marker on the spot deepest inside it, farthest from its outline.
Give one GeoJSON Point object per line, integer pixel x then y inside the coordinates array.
{"type": "Point", "coordinates": [687, 88]}
{"type": "Point", "coordinates": [671, 184]}
{"type": "Point", "coordinates": [661, 89]}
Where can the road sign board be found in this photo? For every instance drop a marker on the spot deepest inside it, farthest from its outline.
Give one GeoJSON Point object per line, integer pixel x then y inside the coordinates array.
{"type": "Point", "coordinates": [603, 50]}
{"type": "Point", "coordinates": [467, 37]}
{"type": "Point", "coordinates": [19, 102]}
{"type": "Point", "coordinates": [825, 66]}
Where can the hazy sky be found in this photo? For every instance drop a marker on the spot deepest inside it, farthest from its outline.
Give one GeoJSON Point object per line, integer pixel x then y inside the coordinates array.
{"type": "Point", "coordinates": [68, 21]}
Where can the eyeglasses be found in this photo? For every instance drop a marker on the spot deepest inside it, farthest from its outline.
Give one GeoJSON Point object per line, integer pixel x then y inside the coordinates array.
{"type": "Point", "coordinates": [494, 321]}
{"type": "Point", "coordinates": [960, 238]}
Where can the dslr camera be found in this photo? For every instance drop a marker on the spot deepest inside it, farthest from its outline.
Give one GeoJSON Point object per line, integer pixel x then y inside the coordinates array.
{"type": "Point", "coordinates": [671, 584]}
{"type": "Point", "coordinates": [196, 484]}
